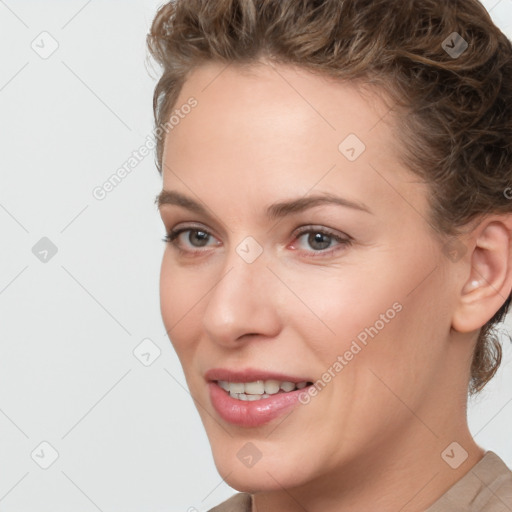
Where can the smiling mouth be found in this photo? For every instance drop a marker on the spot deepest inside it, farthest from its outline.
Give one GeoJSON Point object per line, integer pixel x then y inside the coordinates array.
{"type": "Point", "coordinates": [259, 389]}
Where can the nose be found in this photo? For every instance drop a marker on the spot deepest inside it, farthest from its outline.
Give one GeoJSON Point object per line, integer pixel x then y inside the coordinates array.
{"type": "Point", "coordinates": [244, 302]}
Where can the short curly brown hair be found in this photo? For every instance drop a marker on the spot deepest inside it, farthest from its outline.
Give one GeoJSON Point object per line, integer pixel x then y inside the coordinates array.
{"type": "Point", "coordinates": [455, 100]}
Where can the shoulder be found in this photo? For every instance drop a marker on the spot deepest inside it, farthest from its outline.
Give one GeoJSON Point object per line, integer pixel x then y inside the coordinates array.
{"type": "Point", "coordinates": [486, 488]}
{"type": "Point", "coordinates": [240, 502]}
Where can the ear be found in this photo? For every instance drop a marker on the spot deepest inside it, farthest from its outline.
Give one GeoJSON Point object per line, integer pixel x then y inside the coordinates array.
{"type": "Point", "coordinates": [490, 273]}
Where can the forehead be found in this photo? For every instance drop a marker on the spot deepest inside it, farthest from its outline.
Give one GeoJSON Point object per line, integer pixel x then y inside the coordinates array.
{"type": "Point", "coordinates": [270, 98]}
{"type": "Point", "coordinates": [277, 128]}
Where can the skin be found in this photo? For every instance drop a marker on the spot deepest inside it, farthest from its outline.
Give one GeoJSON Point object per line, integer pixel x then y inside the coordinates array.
{"type": "Point", "coordinates": [372, 438]}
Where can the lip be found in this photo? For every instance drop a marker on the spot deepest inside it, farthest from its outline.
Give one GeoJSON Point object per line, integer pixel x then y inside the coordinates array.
{"type": "Point", "coordinates": [250, 375]}
{"type": "Point", "coordinates": [251, 413]}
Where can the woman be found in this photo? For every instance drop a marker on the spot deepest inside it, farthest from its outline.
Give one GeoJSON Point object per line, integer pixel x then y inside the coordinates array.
{"type": "Point", "coordinates": [335, 192]}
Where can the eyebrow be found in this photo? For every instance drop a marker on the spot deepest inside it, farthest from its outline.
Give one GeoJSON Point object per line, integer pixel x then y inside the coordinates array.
{"type": "Point", "coordinates": [274, 211]}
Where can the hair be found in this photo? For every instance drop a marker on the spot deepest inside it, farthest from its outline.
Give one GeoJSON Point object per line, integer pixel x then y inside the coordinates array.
{"type": "Point", "coordinates": [455, 111]}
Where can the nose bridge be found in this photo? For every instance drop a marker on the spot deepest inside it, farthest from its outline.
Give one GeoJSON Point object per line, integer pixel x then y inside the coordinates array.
{"type": "Point", "coordinates": [241, 301]}
{"type": "Point", "coordinates": [245, 267]}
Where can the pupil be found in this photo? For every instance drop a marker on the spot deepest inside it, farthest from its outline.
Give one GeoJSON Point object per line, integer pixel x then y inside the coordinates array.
{"type": "Point", "coordinates": [202, 238]}
{"type": "Point", "coordinates": [317, 237]}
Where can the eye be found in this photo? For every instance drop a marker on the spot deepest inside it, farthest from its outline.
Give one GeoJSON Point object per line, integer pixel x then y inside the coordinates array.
{"type": "Point", "coordinates": [320, 239]}
{"type": "Point", "coordinates": [197, 237]}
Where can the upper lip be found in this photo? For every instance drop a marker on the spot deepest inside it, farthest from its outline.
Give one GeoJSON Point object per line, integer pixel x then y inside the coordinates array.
{"type": "Point", "coordinates": [250, 375]}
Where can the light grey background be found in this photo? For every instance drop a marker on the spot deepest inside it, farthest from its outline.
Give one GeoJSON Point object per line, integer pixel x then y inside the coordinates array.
{"type": "Point", "coordinates": [128, 436]}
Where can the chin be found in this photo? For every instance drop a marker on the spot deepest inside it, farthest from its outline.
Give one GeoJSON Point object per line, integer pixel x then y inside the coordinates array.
{"type": "Point", "coordinates": [256, 480]}
{"type": "Point", "coordinates": [266, 474]}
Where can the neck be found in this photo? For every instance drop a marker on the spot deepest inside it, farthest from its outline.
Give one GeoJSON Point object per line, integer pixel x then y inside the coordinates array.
{"type": "Point", "coordinates": [408, 475]}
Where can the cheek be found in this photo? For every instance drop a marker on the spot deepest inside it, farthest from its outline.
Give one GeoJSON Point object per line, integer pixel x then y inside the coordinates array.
{"type": "Point", "coordinates": [347, 307]}
{"type": "Point", "coordinates": [168, 294]}
{"type": "Point", "coordinates": [371, 319]}
{"type": "Point", "coordinates": [180, 301]}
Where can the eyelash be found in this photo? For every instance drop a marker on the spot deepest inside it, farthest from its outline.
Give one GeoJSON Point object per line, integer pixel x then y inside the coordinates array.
{"type": "Point", "coordinates": [171, 236]}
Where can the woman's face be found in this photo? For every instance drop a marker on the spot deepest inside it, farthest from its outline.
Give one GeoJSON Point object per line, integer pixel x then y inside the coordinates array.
{"type": "Point", "coordinates": [355, 294]}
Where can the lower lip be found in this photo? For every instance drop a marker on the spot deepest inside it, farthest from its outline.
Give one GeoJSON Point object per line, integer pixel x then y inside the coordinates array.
{"type": "Point", "coordinates": [251, 413]}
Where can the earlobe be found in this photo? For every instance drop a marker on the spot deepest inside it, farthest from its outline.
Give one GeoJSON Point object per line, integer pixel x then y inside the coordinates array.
{"type": "Point", "coordinates": [490, 274]}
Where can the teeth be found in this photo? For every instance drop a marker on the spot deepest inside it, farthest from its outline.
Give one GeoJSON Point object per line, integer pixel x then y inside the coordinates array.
{"type": "Point", "coordinates": [271, 387]}
{"type": "Point", "coordinates": [224, 385]}
{"type": "Point", "coordinates": [248, 398]}
{"type": "Point", "coordinates": [287, 386]}
{"type": "Point", "coordinates": [236, 387]}
{"type": "Point", "coordinates": [249, 391]}
{"type": "Point", "coordinates": [251, 398]}
{"type": "Point", "coordinates": [254, 388]}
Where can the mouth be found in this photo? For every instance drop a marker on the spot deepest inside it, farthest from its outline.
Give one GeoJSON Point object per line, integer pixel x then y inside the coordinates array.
{"type": "Point", "coordinates": [251, 398]}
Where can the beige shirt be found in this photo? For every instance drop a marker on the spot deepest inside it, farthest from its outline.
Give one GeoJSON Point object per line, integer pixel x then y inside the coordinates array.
{"type": "Point", "coordinates": [487, 487]}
